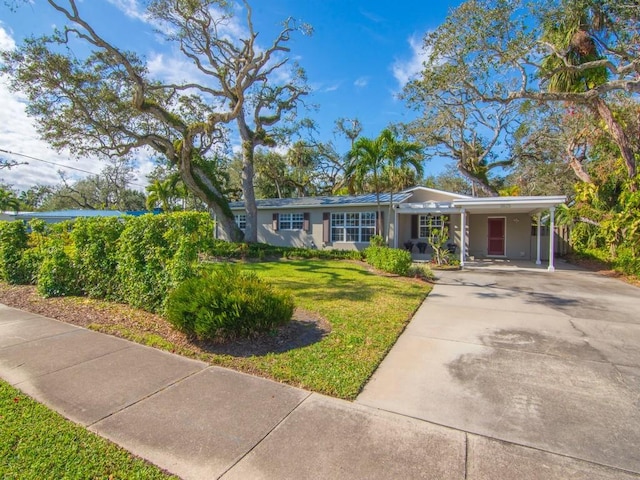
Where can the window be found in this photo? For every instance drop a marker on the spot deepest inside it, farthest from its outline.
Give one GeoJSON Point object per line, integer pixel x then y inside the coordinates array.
{"type": "Point", "coordinates": [353, 227]}
{"type": "Point", "coordinates": [291, 221]}
{"type": "Point", "coordinates": [241, 221]}
{"type": "Point", "coordinates": [428, 223]}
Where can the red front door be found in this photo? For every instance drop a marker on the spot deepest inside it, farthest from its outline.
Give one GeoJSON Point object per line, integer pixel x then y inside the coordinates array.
{"type": "Point", "coordinates": [496, 236]}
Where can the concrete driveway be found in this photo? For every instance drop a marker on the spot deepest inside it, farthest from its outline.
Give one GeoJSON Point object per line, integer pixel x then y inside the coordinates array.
{"type": "Point", "coordinates": [544, 360]}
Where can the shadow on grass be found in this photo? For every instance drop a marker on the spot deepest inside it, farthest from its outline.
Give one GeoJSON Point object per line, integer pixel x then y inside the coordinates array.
{"type": "Point", "coordinates": [295, 334]}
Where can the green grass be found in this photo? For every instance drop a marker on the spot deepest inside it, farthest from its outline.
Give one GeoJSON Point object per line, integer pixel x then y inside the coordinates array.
{"type": "Point", "coordinates": [36, 443]}
{"type": "Point", "coordinates": [367, 313]}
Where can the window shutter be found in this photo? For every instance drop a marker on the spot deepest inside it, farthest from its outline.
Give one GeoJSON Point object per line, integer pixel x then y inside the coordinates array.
{"type": "Point", "coordinates": [414, 226]}
{"type": "Point", "coordinates": [306, 225]}
{"type": "Point", "coordinates": [379, 222]}
{"type": "Point", "coordinates": [326, 227]}
{"type": "Point", "coordinates": [275, 222]}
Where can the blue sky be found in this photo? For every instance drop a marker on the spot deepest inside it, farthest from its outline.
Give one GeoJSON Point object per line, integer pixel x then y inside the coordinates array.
{"type": "Point", "coordinates": [357, 60]}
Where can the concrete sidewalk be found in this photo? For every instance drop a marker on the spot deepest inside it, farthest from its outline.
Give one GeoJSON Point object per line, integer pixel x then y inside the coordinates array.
{"type": "Point", "coordinates": [206, 422]}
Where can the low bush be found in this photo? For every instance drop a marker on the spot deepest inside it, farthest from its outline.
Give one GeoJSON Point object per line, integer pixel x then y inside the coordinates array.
{"type": "Point", "coordinates": [421, 271]}
{"type": "Point", "coordinates": [227, 303]}
{"type": "Point", "coordinates": [391, 260]}
{"type": "Point", "coordinates": [377, 241]}
{"type": "Point", "coordinates": [261, 251]}
{"type": "Point", "coordinates": [627, 263]}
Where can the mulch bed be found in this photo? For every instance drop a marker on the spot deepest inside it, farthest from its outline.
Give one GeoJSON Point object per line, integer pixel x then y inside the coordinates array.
{"type": "Point", "coordinates": [305, 328]}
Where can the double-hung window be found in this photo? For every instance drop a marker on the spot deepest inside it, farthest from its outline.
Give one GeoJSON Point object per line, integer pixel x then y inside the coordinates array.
{"type": "Point", "coordinates": [353, 227]}
{"type": "Point", "coordinates": [291, 221]}
{"type": "Point", "coordinates": [241, 221]}
{"type": "Point", "coordinates": [428, 223]}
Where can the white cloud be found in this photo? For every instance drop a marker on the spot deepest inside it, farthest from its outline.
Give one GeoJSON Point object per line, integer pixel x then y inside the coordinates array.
{"type": "Point", "coordinates": [173, 69]}
{"type": "Point", "coordinates": [18, 134]}
{"type": "Point", "coordinates": [6, 42]}
{"type": "Point", "coordinates": [361, 82]}
{"type": "Point", "coordinates": [131, 8]}
{"type": "Point", "coordinates": [405, 70]}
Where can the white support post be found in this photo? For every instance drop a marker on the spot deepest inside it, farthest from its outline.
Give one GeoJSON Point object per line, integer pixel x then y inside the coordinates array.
{"type": "Point", "coordinates": [538, 231]}
{"type": "Point", "coordinates": [395, 228]}
{"type": "Point", "coordinates": [463, 236]}
{"type": "Point", "coordinates": [552, 213]}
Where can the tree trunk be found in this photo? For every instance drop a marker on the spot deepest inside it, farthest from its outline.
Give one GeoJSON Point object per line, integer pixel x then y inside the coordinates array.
{"type": "Point", "coordinates": [248, 192]}
{"type": "Point", "coordinates": [197, 180]}
{"type": "Point", "coordinates": [618, 134]}
{"type": "Point", "coordinates": [576, 163]}
{"type": "Point", "coordinates": [477, 182]}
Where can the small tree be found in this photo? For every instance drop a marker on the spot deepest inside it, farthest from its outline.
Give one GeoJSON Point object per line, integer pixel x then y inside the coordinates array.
{"type": "Point", "coordinates": [438, 239]}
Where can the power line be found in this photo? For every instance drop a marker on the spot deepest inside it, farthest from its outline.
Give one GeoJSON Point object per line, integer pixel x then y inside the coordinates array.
{"type": "Point", "coordinates": [58, 164]}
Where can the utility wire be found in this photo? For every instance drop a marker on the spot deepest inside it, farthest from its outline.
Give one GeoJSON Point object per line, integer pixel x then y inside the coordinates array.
{"type": "Point", "coordinates": [58, 164]}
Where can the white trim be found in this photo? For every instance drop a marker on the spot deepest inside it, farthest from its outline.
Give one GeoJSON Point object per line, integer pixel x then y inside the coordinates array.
{"type": "Point", "coordinates": [552, 216]}
{"type": "Point", "coordinates": [435, 190]}
{"type": "Point", "coordinates": [463, 236]}
{"type": "Point", "coordinates": [538, 232]}
{"type": "Point", "coordinates": [521, 201]}
{"type": "Point", "coordinates": [395, 228]}
{"type": "Point", "coordinates": [504, 240]}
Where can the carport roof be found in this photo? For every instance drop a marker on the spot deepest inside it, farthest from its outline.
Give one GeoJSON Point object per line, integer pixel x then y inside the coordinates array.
{"type": "Point", "coordinates": [490, 205]}
{"type": "Point", "coordinates": [510, 204]}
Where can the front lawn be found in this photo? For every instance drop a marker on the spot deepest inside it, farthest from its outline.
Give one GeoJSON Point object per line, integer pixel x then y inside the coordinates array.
{"type": "Point", "coordinates": [36, 443]}
{"type": "Point", "coordinates": [367, 312]}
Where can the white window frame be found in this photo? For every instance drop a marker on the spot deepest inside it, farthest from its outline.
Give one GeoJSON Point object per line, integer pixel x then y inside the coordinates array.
{"type": "Point", "coordinates": [291, 221]}
{"type": "Point", "coordinates": [427, 223]}
{"type": "Point", "coordinates": [241, 221]}
{"type": "Point", "coordinates": [352, 227]}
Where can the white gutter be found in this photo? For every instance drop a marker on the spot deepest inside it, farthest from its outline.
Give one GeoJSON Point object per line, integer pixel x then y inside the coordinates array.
{"type": "Point", "coordinates": [533, 202]}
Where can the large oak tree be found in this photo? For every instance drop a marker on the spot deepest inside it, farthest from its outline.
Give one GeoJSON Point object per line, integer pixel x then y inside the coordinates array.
{"type": "Point", "coordinates": [108, 103]}
{"type": "Point", "coordinates": [576, 53]}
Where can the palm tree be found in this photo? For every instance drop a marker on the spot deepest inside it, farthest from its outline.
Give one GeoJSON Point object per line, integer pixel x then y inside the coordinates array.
{"type": "Point", "coordinates": [8, 201]}
{"type": "Point", "coordinates": [162, 192]}
{"type": "Point", "coordinates": [369, 158]}
{"type": "Point", "coordinates": [401, 155]}
{"type": "Point", "coordinates": [364, 164]}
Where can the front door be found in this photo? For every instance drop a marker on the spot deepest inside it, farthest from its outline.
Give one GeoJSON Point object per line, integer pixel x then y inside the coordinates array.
{"type": "Point", "coordinates": [496, 236]}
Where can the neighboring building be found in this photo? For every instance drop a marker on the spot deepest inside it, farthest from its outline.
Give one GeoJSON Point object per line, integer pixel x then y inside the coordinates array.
{"type": "Point", "coordinates": [494, 227]}
{"type": "Point", "coordinates": [63, 215]}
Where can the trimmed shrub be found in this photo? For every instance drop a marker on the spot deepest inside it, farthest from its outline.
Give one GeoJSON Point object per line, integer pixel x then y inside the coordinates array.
{"type": "Point", "coordinates": [157, 252]}
{"type": "Point", "coordinates": [226, 304]}
{"type": "Point", "coordinates": [96, 248]}
{"type": "Point", "coordinates": [13, 244]}
{"type": "Point", "coordinates": [57, 276]}
{"type": "Point", "coordinates": [391, 260]}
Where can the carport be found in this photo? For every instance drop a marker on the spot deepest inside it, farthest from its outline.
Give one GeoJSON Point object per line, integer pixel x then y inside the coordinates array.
{"type": "Point", "coordinates": [494, 227]}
